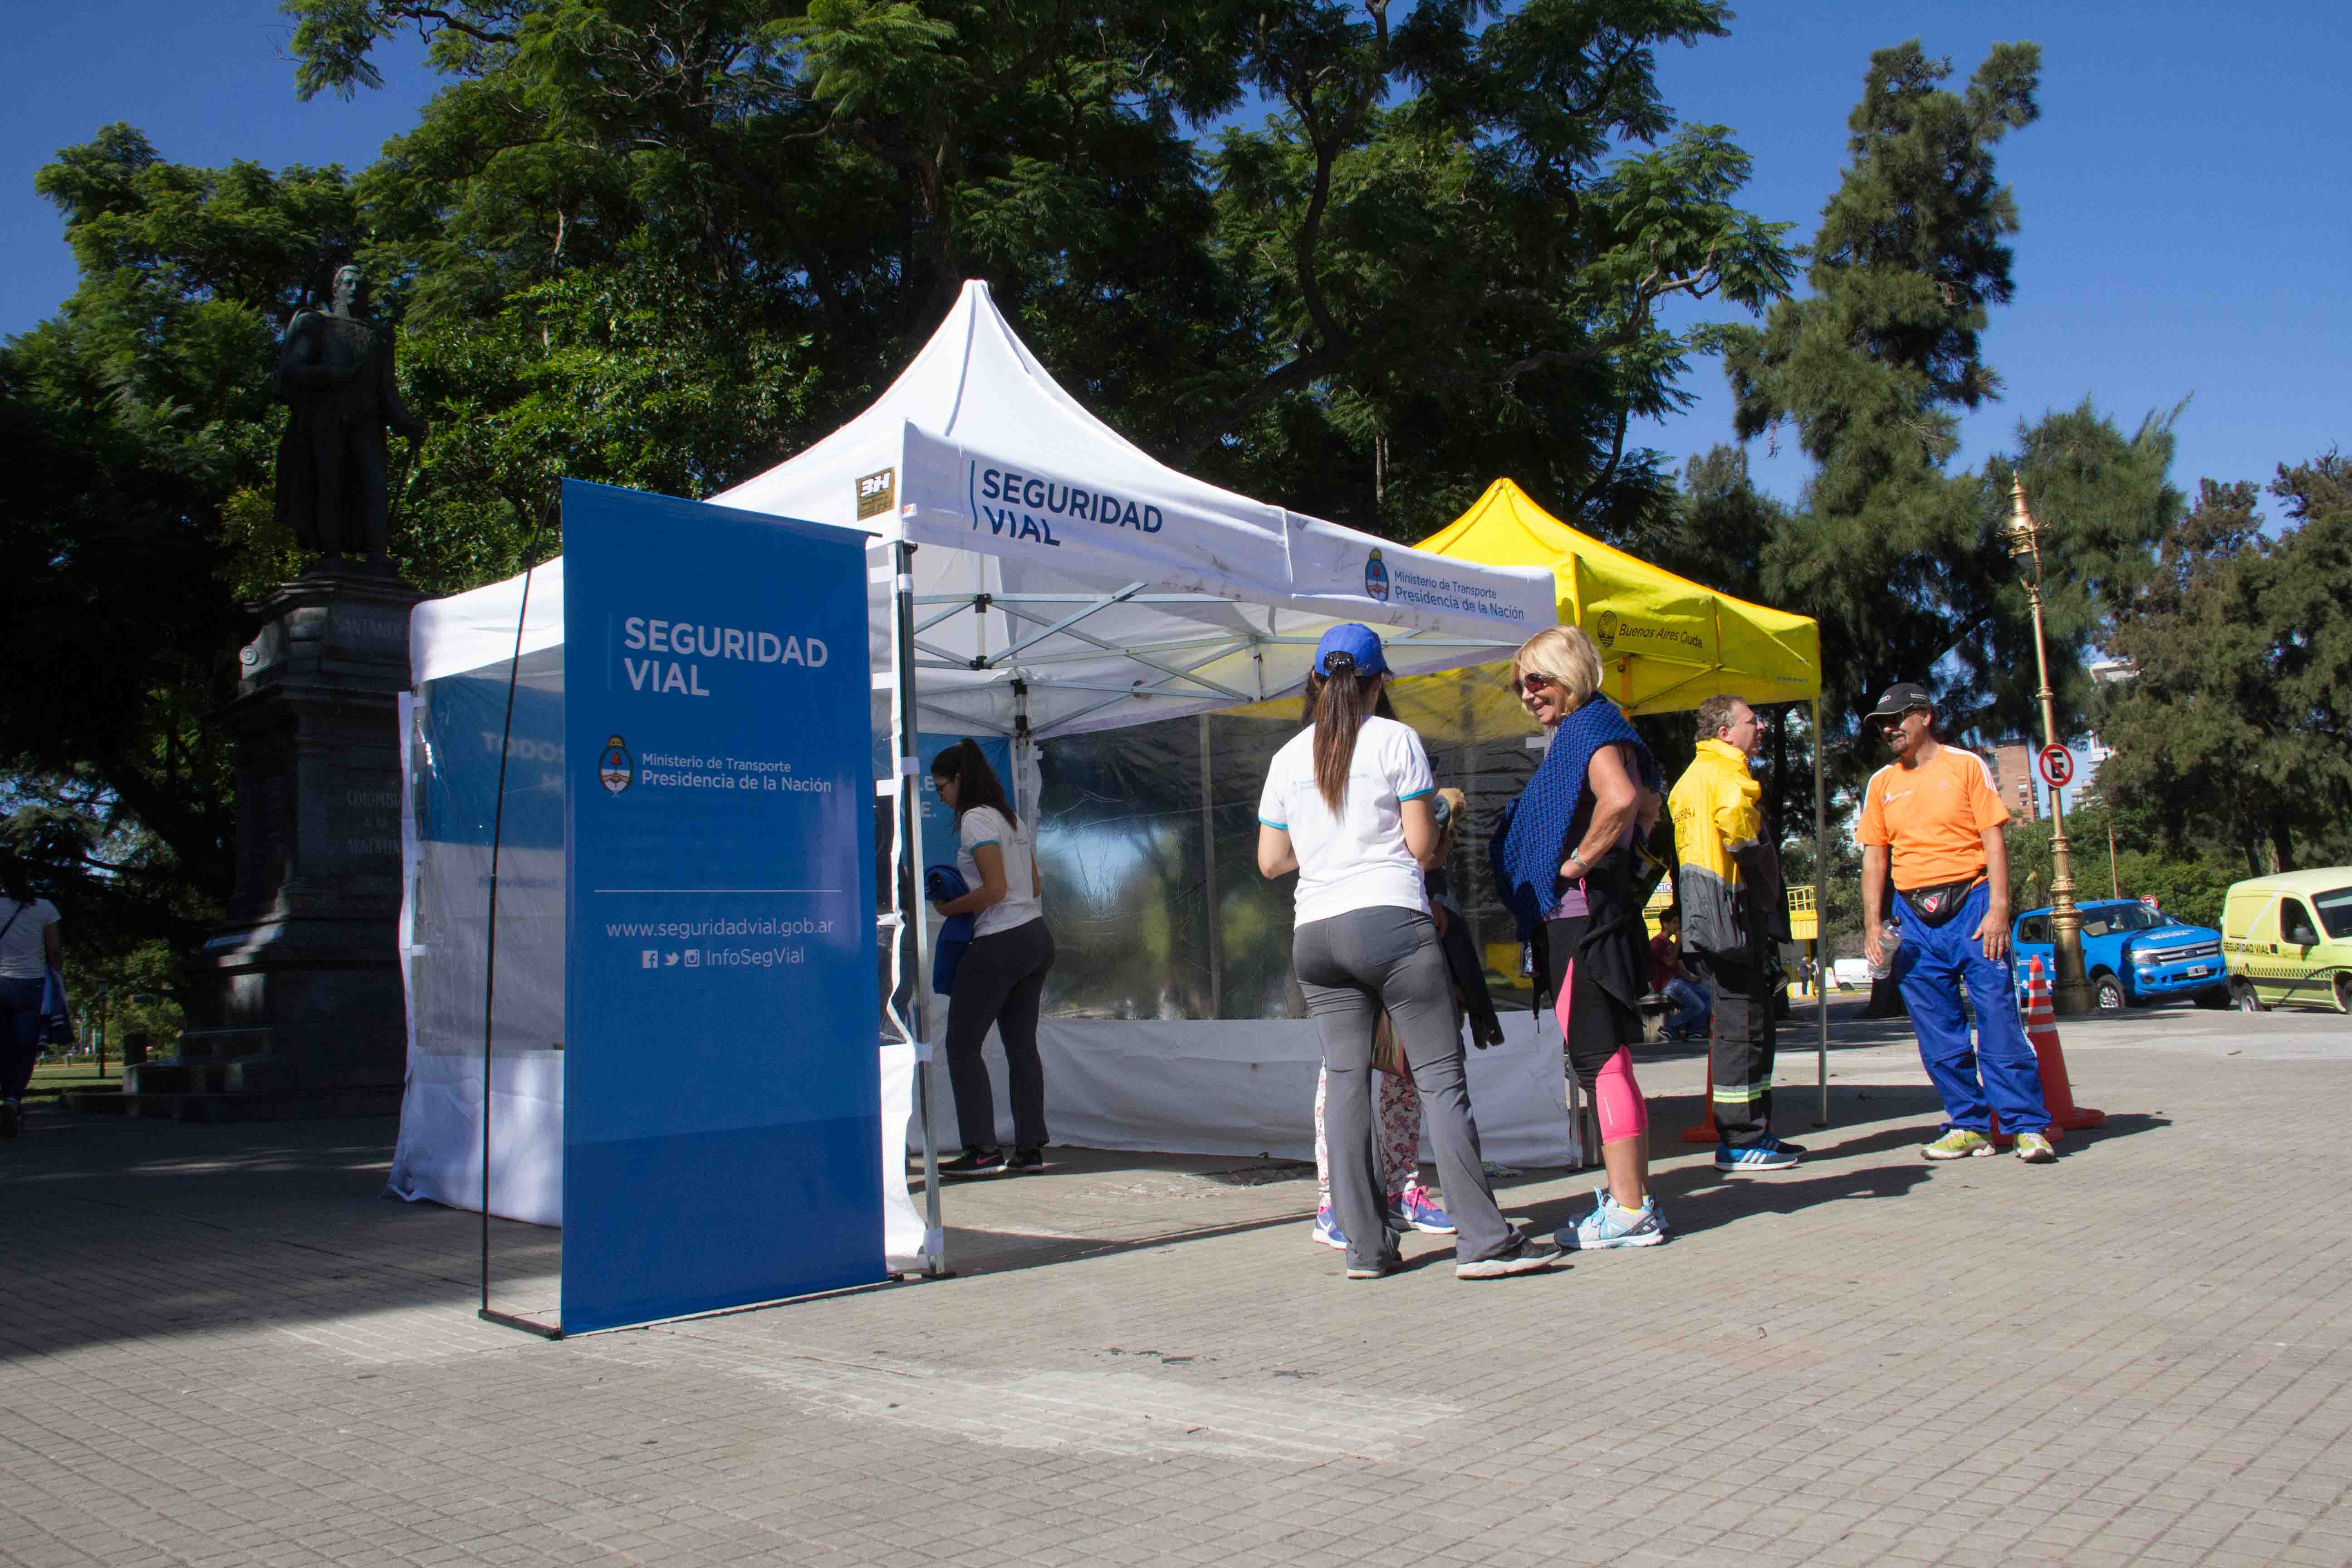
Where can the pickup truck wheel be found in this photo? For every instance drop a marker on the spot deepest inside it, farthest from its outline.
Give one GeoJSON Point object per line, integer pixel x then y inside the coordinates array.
{"type": "Point", "coordinates": [2107, 991]}
{"type": "Point", "coordinates": [2242, 994]}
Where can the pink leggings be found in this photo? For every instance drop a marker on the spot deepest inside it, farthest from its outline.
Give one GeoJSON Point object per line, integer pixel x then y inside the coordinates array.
{"type": "Point", "coordinates": [1617, 1100]}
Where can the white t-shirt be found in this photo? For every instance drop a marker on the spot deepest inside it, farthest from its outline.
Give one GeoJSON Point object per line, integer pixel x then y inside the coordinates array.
{"type": "Point", "coordinates": [1019, 906]}
{"type": "Point", "coordinates": [23, 955]}
{"type": "Point", "coordinates": [1357, 859]}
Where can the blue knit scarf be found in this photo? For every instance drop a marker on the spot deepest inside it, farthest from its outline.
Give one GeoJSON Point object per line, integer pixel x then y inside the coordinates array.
{"type": "Point", "coordinates": [1536, 831]}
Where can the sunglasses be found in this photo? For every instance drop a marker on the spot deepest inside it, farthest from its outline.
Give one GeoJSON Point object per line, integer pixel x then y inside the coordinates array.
{"type": "Point", "coordinates": [1889, 720]}
{"type": "Point", "coordinates": [1531, 684]}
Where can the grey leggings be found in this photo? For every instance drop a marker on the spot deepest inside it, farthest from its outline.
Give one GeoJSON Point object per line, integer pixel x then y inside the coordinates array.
{"type": "Point", "coordinates": [1351, 967]}
{"type": "Point", "coordinates": [999, 982]}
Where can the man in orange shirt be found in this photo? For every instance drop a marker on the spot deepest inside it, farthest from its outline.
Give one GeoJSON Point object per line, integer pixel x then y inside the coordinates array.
{"type": "Point", "coordinates": [1934, 818]}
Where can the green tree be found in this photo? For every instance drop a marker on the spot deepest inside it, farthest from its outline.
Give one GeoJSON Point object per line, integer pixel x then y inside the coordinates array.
{"type": "Point", "coordinates": [1897, 558]}
{"type": "Point", "coordinates": [1431, 263]}
{"type": "Point", "coordinates": [2238, 729]}
{"type": "Point", "coordinates": [131, 418]}
{"type": "Point", "coordinates": [2188, 883]}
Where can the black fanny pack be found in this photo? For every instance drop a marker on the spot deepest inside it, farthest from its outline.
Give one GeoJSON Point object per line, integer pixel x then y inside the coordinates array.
{"type": "Point", "coordinates": [1939, 903]}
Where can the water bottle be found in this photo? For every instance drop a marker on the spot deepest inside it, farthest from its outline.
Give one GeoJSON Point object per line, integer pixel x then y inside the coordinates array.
{"type": "Point", "coordinates": [1890, 937]}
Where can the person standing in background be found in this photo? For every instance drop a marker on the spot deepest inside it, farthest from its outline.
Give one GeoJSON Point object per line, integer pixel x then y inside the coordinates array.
{"type": "Point", "coordinates": [29, 948]}
{"type": "Point", "coordinates": [1931, 823]}
{"type": "Point", "coordinates": [1002, 976]}
{"type": "Point", "coordinates": [1729, 891]}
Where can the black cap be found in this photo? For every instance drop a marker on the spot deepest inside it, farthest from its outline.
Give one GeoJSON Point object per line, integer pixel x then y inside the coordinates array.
{"type": "Point", "coordinates": [1901, 697]}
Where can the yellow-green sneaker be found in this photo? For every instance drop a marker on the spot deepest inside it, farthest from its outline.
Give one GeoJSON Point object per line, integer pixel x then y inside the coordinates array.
{"type": "Point", "coordinates": [1960, 1144]}
{"type": "Point", "coordinates": [2034, 1149]}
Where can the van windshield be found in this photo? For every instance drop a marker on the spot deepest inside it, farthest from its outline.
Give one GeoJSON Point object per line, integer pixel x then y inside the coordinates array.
{"type": "Point", "coordinates": [2336, 913]}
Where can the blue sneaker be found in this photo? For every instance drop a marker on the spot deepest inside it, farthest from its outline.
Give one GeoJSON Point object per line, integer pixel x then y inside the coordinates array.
{"type": "Point", "coordinates": [1416, 1211]}
{"type": "Point", "coordinates": [1327, 1229]}
{"type": "Point", "coordinates": [1608, 1226]}
{"type": "Point", "coordinates": [1764, 1155]}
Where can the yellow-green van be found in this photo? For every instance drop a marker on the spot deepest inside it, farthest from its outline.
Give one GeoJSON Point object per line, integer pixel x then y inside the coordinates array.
{"type": "Point", "coordinates": [2288, 940]}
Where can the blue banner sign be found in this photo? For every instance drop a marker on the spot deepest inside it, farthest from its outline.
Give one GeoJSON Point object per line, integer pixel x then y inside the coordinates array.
{"type": "Point", "coordinates": [722, 1106]}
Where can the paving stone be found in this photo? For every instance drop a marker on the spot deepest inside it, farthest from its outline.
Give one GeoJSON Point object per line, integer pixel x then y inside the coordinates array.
{"type": "Point", "coordinates": [223, 1345]}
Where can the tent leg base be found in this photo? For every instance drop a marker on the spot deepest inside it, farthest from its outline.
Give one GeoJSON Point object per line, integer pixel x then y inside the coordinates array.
{"type": "Point", "coordinates": [509, 1321]}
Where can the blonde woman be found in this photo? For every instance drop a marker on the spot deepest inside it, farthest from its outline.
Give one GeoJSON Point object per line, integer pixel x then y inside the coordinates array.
{"type": "Point", "coordinates": [1563, 864]}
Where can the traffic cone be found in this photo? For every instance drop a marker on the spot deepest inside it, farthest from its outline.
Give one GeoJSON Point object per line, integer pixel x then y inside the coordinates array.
{"type": "Point", "coordinates": [2042, 1028]}
{"type": "Point", "coordinates": [1706, 1131]}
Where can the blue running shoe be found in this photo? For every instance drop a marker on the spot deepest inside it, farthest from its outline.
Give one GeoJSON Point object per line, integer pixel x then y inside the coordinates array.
{"type": "Point", "coordinates": [1608, 1226]}
{"type": "Point", "coordinates": [1327, 1229]}
{"type": "Point", "coordinates": [1415, 1211]}
{"type": "Point", "coordinates": [1764, 1155]}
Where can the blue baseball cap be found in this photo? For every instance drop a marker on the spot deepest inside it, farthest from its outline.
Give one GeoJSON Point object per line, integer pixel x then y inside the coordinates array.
{"type": "Point", "coordinates": [1358, 642]}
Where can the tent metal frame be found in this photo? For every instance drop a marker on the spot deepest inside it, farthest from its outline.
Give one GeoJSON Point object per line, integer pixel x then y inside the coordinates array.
{"type": "Point", "coordinates": [1041, 618]}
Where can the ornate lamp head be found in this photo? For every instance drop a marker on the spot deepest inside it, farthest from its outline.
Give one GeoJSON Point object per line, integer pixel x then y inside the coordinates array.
{"type": "Point", "coordinates": [2023, 535]}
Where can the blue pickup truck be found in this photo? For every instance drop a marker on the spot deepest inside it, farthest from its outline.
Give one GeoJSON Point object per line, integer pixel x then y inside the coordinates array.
{"type": "Point", "coordinates": [2133, 955]}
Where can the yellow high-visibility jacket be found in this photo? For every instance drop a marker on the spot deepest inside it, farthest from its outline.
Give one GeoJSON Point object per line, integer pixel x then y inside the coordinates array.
{"type": "Point", "coordinates": [1718, 815]}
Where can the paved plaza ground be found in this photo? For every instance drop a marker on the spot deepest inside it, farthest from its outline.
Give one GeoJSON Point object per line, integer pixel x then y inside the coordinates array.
{"type": "Point", "coordinates": [224, 1346]}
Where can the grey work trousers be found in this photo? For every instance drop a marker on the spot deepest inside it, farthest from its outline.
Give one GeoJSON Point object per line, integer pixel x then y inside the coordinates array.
{"type": "Point", "coordinates": [1351, 967]}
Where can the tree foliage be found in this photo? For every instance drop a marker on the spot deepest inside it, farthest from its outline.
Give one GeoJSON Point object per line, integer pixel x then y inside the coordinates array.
{"type": "Point", "coordinates": [1354, 262]}
{"type": "Point", "coordinates": [1897, 558]}
{"type": "Point", "coordinates": [2238, 729]}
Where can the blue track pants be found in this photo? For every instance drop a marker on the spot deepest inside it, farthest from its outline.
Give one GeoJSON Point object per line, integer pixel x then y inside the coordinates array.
{"type": "Point", "coordinates": [1930, 963]}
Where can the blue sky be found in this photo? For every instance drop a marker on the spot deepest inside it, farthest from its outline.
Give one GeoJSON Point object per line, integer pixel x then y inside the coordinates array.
{"type": "Point", "coordinates": [2185, 230]}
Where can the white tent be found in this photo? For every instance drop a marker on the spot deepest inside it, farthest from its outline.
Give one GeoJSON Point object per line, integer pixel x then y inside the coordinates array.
{"type": "Point", "coordinates": [1030, 575]}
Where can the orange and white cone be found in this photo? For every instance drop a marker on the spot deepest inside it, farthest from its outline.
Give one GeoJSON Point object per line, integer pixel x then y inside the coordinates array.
{"type": "Point", "coordinates": [2042, 1028]}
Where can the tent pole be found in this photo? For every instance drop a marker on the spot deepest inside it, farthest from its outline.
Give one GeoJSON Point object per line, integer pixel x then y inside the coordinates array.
{"type": "Point", "coordinates": [1208, 874]}
{"type": "Point", "coordinates": [1821, 910]}
{"type": "Point", "coordinates": [906, 873]}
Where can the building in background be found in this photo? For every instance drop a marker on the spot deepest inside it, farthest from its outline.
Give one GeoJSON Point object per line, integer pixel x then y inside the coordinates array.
{"type": "Point", "coordinates": [2012, 774]}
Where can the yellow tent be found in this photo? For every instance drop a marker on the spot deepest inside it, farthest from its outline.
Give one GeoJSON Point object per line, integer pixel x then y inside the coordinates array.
{"type": "Point", "coordinates": [1670, 644]}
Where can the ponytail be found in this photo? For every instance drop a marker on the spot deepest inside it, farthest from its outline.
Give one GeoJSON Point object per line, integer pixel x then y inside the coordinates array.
{"type": "Point", "coordinates": [976, 782]}
{"type": "Point", "coordinates": [1336, 705]}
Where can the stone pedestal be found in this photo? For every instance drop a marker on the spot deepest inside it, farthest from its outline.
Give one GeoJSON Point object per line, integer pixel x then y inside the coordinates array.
{"type": "Point", "coordinates": [309, 997]}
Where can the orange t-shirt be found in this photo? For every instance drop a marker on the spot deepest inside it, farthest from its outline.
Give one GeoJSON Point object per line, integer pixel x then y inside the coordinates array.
{"type": "Point", "coordinates": [1932, 817]}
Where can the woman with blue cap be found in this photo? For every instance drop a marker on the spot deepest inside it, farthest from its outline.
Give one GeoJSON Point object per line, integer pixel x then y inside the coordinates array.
{"type": "Point", "coordinates": [1347, 806]}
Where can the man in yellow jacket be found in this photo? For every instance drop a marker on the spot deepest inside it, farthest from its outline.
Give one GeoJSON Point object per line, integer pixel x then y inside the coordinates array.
{"type": "Point", "coordinates": [1729, 888]}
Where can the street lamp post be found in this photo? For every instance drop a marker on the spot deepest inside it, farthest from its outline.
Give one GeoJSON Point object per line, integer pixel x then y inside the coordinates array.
{"type": "Point", "coordinates": [2071, 987]}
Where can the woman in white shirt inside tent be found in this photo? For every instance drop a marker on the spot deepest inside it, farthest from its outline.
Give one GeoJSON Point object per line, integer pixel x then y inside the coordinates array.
{"type": "Point", "coordinates": [1002, 974]}
{"type": "Point", "coordinates": [1348, 807]}
{"type": "Point", "coordinates": [29, 949]}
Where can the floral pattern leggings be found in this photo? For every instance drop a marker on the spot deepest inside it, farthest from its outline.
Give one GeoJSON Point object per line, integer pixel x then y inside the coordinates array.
{"type": "Point", "coordinates": [1400, 1115]}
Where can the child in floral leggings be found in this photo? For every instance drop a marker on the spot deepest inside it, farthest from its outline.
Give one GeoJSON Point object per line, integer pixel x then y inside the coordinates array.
{"type": "Point", "coordinates": [1410, 1205]}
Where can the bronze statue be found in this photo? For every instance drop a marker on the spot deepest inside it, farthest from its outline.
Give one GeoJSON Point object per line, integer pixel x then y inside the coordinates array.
{"type": "Point", "coordinates": [335, 370]}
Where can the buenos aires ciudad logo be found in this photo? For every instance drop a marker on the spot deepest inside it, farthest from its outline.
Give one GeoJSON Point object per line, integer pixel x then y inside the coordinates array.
{"type": "Point", "coordinates": [615, 767]}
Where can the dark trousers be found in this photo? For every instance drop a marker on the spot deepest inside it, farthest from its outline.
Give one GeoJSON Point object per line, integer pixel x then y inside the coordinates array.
{"type": "Point", "coordinates": [20, 1035]}
{"type": "Point", "coordinates": [1740, 1056]}
{"type": "Point", "coordinates": [1000, 981]}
